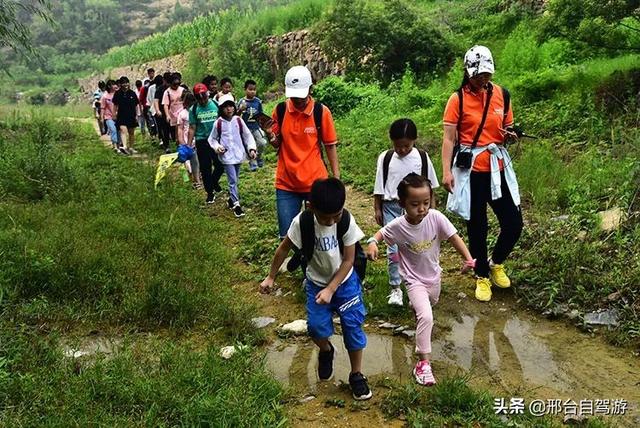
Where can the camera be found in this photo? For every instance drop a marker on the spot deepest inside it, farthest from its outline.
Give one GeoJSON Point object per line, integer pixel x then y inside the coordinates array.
{"type": "Point", "coordinates": [464, 159]}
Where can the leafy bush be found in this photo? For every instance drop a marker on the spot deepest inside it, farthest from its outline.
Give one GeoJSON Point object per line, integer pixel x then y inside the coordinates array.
{"type": "Point", "coordinates": [380, 40]}
{"type": "Point", "coordinates": [342, 97]}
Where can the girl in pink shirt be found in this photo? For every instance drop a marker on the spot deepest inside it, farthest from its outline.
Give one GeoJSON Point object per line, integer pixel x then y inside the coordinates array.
{"type": "Point", "coordinates": [418, 234]}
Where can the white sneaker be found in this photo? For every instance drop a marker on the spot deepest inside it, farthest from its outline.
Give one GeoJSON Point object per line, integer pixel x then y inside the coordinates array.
{"type": "Point", "coordinates": [395, 298]}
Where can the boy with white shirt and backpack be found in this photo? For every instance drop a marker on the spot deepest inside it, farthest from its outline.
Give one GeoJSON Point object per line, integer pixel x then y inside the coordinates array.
{"type": "Point", "coordinates": [328, 236]}
{"type": "Point", "coordinates": [393, 165]}
{"type": "Point", "coordinates": [232, 140]}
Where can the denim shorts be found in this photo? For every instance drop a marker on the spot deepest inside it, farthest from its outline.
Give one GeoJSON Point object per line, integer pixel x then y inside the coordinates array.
{"type": "Point", "coordinates": [347, 302]}
{"type": "Point", "coordinates": [289, 205]}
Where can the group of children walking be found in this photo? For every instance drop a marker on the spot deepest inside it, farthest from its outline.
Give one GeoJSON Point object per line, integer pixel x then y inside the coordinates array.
{"type": "Point", "coordinates": [216, 132]}
{"type": "Point", "coordinates": [412, 230]}
{"type": "Point", "coordinates": [222, 133]}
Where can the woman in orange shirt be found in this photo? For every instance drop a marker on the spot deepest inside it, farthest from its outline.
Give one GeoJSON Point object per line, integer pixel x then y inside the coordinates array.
{"type": "Point", "coordinates": [476, 122]}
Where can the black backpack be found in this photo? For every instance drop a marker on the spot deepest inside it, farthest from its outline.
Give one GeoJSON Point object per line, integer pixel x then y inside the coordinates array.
{"type": "Point", "coordinates": [307, 230]}
{"type": "Point", "coordinates": [424, 170]}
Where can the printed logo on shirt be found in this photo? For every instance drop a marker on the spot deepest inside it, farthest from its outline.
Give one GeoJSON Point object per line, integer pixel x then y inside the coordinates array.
{"type": "Point", "coordinates": [421, 246]}
{"type": "Point", "coordinates": [499, 111]}
{"type": "Point", "coordinates": [310, 130]}
{"type": "Point", "coordinates": [326, 243]}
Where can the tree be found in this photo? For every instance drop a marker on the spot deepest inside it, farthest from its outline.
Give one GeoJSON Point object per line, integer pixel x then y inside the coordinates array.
{"type": "Point", "coordinates": [601, 24]}
{"type": "Point", "coordinates": [14, 33]}
{"type": "Point", "coordinates": [382, 39]}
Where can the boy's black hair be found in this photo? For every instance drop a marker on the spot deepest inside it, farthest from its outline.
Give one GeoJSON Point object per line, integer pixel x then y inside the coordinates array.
{"type": "Point", "coordinates": [102, 85]}
{"type": "Point", "coordinates": [178, 74]}
{"type": "Point", "coordinates": [110, 84]}
{"type": "Point", "coordinates": [412, 180]}
{"type": "Point", "coordinates": [167, 76]}
{"type": "Point", "coordinates": [208, 79]}
{"type": "Point", "coordinates": [157, 80]}
{"type": "Point", "coordinates": [226, 80]}
{"type": "Point", "coordinates": [327, 195]}
{"type": "Point", "coordinates": [175, 76]}
{"type": "Point", "coordinates": [403, 128]}
{"type": "Point", "coordinates": [150, 69]}
{"type": "Point", "coordinates": [250, 82]}
{"type": "Point", "coordinates": [123, 79]}
{"type": "Point", "coordinates": [138, 83]}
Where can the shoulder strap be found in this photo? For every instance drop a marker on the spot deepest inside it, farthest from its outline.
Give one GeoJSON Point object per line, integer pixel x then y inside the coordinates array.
{"type": "Point", "coordinates": [506, 97]}
{"type": "Point", "coordinates": [385, 166]}
{"type": "Point", "coordinates": [307, 233]}
{"type": "Point", "coordinates": [424, 171]}
{"type": "Point", "coordinates": [484, 117]}
{"type": "Point", "coordinates": [460, 109]}
{"type": "Point", "coordinates": [317, 118]}
{"type": "Point", "coordinates": [281, 108]}
{"type": "Point", "coordinates": [342, 227]}
{"type": "Point", "coordinates": [239, 119]}
{"type": "Point", "coordinates": [195, 113]}
{"type": "Point", "coordinates": [219, 128]}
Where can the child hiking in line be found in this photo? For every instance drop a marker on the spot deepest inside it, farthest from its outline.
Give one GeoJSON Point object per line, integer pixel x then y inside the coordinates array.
{"type": "Point", "coordinates": [418, 234]}
{"type": "Point", "coordinates": [192, 165]}
{"type": "Point", "coordinates": [232, 140]}
{"type": "Point", "coordinates": [250, 107]}
{"type": "Point", "coordinates": [393, 165]}
{"type": "Point", "coordinates": [332, 285]}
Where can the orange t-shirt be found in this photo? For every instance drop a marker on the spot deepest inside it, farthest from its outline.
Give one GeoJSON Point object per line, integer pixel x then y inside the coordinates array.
{"type": "Point", "coordinates": [299, 158]}
{"type": "Point", "coordinates": [472, 109]}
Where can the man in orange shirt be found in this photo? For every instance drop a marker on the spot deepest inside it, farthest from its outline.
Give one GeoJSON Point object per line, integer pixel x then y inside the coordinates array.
{"type": "Point", "coordinates": [300, 140]}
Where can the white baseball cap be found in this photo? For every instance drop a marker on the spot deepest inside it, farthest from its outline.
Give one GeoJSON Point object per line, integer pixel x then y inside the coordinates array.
{"type": "Point", "coordinates": [226, 98]}
{"type": "Point", "coordinates": [478, 60]}
{"type": "Point", "coordinates": [297, 82]}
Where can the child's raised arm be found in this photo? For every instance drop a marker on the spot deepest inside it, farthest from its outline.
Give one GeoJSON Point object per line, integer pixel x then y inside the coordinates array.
{"type": "Point", "coordinates": [461, 248]}
{"type": "Point", "coordinates": [281, 254]}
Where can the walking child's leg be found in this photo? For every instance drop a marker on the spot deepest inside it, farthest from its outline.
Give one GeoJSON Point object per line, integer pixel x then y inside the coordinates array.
{"type": "Point", "coordinates": [390, 211]}
{"type": "Point", "coordinates": [355, 359]}
{"type": "Point", "coordinates": [218, 170]}
{"type": "Point", "coordinates": [421, 297]}
{"type": "Point", "coordinates": [232, 178]}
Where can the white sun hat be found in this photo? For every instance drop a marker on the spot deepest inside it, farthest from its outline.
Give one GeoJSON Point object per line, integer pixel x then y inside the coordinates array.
{"type": "Point", "coordinates": [478, 60]}
{"type": "Point", "coordinates": [297, 82]}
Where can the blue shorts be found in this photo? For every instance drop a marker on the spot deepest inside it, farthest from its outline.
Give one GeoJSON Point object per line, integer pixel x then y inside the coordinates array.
{"type": "Point", "coordinates": [347, 302]}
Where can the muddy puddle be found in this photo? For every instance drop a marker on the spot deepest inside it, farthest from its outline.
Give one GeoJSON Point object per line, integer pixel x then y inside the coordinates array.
{"type": "Point", "coordinates": [513, 355]}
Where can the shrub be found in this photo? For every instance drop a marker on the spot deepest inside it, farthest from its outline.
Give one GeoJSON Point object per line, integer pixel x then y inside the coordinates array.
{"type": "Point", "coordinates": [380, 40]}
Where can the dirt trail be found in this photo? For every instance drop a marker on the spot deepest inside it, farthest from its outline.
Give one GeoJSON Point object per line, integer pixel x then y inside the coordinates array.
{"type": "Point", "coordinates": [504, 348]}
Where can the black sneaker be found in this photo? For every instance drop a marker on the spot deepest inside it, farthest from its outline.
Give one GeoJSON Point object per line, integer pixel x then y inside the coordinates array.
{"type": "Point", "coordinates": [230, 204]}
{"type": "Point", "coordinates": [123, 151]}
{"type": "Point", "coordinates": [325, 364]}
{"type": "Point", "coordinates": [237, 210]}
{"type": "Point", "coordinates": [211, 198]}
{"type": "Point", "coordinates": [359, 386]}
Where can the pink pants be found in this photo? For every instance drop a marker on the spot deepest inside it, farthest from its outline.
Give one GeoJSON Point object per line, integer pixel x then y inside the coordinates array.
{"type": "Point", "coordinates": [422, 297]}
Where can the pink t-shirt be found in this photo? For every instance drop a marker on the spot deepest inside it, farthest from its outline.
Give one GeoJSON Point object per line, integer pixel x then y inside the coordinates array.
{"type": "Point", "coordinates": [419, 246]}
{"type": "Point", "coordinates": [106, 104]}
{"type": "Point", "coordinates": [173, 99]}
{"type": "Point", "coordinates": [183, 126]}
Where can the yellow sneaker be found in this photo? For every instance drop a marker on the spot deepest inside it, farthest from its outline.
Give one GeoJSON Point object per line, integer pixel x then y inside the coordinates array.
{"type": "Point", "coordinates": [483, 289]}
{"type": "Point", "coordinates": [499, 277]}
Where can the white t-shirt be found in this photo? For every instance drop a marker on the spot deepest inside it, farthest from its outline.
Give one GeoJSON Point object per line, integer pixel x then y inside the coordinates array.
{"type": "Point", "coordinates": [326, 258]}
{"type": "Point", "coordinates": [398, 169]}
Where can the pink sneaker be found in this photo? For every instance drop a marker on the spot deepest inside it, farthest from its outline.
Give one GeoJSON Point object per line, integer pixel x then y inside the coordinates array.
{"type": "Point", "coordinates": [423, 374]}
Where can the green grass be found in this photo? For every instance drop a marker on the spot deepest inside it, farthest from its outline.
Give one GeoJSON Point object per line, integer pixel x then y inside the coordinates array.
{"type": "Point", "coordinates": [87, 245]}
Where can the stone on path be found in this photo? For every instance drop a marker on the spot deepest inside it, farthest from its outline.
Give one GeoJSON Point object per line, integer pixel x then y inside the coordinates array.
{"type": "Point", "coordinates": [387, 325]}
{"type": "Point", "coordinates": [229, 351]}
{"type": "Point", "coordinates": [608, 318]}
{"type": "Point", "coordinates": [261, 322]}
{"type": "Point", "coordinates": [610, 219]}
{"type": "Point", "coordinates": [297, 327]}
{"type": "Point", "coordinates": [409, 334]}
